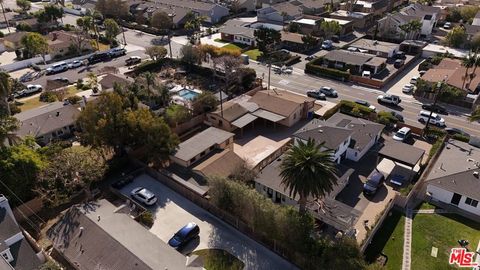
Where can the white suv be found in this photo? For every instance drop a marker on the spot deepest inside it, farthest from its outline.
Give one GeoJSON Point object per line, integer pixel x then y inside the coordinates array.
{"type": "Point", "coordinates": [144, 196]}
{"type": "Point", "coordinates": [57, 67]}
{"type": "Point", "coordinates": [434, 120]}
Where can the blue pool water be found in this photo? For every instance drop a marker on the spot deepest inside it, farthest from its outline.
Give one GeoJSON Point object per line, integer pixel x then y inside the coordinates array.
{"type": "Point", "coordinates": [187, 94]}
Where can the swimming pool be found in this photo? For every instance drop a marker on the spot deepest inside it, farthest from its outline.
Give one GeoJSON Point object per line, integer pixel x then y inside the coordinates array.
{"type": "Point", "coordinates": [187, 94]}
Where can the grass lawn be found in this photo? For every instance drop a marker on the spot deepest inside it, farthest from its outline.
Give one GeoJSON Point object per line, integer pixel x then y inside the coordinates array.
{"type": "Point", "coordinates": [426, 205]}
{"type": "Point", "coordinates": [236, 46]}
{"type": "Point", "coordinates": [443, 232]}
{"type": "Point", "coordinates": [220, 40]}
{"type": "Point", "coordinates": [35, 102]}
{"type": "Point", "coordinates": [389, 241]}
{"type": "Point", "coordinates": [253, 54]}
{"type": "Point", "coordinates": [217, 259]}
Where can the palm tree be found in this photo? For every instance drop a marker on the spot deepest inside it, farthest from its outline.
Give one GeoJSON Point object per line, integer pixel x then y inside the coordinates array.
{"type": "Point", "coordinates": [5, 90]}
{"type": "Point", "coordinates": [308, 171]}
{"type": "Point", "coordinates": [475, 115]}
{"type": "Point", "coordinates": [475, 65]}
{"type": "Point", "coordinates": [468, 62]}
{"type": "Point", "coordinates": [4, 16]}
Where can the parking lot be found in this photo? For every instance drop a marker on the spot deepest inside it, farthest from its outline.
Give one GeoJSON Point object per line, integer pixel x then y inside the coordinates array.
{"type": "Point", "coordinates": [173, 211]}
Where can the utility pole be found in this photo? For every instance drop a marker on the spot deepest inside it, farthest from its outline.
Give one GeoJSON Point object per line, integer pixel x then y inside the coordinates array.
{"type": "Point", "coordinates": [439, 88]}
{"type": "Point", "coordinates": [170, 15]}
{"type": "Point", "coordinates": [124, 39]}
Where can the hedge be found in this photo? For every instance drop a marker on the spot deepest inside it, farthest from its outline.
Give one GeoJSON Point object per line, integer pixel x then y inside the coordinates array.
{"type": "Point", "coordinates": [292, 60]}
{"type": "Point", "coordinates": [327, 72]}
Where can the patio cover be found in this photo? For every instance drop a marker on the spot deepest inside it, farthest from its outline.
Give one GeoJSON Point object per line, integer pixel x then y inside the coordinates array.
{"type": "Point", "coordinates": [336, 214]}
{"type": "Point", "coordinates": [268, 115]}
{"type": "Point", "coordinates": [402, 153]}
{"type": "Point", "coordinates": [244, 120]}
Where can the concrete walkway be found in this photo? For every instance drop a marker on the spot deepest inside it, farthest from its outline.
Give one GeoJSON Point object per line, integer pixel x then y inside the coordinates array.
{"type": "Point", "coordinates": [407, 241]}
{"type": "Point", "coordinates": [431, 211]}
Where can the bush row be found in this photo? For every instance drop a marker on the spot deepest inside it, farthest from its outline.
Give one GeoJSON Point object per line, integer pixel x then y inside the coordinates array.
{"type": "Point", "coordinates": [327, 72]}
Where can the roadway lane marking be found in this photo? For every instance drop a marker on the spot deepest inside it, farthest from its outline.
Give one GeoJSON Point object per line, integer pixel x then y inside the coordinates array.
{"type": "Point", "coordinates": [284, 82]}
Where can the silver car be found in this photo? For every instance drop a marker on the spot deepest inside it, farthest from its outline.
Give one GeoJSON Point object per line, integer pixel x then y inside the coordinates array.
{"type": "Point", "coordinates": [144, 196]}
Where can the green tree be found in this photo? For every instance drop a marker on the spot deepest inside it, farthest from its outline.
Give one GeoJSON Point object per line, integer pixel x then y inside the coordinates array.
{"type": "Point", "coordinates": [71, 170]}
{"type": "Point", "coordinates": [468, 62]}
{"type": "Point", "coordinates": [267, 39]}
{"type": "Point", "coordinates": [8, 125]}
{"type": "Point", "coordinates": [190, 55]}
{"type": "Point", "coordinates": [475, 42]}
{"type": "Point", "coordinates": [35, 44]}
{"type": "Point", "coordinates": [161, 20]}
{"type": "Point", "coordinates": [475, 116]}
{"type": "Point", "coordinates": [468, 13]}
{"type": "Point", "coordinates": [112, 8]}
{"type": "Point", "coordinates": [177, 114]}
{"type": "Point", "coordinates": [5, 91]}
{"type": "Point", "coordinates": [20, 164]}
{"type": "Point", "coordinates": [309, 41]}
{"type": "Point", "coordinates": [411, 28]}
{"type": "Point", "coordinates": [308, 171]}
{"type": "Point", "coordinates": [293, 27]}
{"type": "Point", "coordinates": [156, 52]}
{"type": "Point", "coordinates": [50, 265]}
{"type": "Point", "coordinates": [330, 28]}
{"type": "Point", "coordinates": [112, 30]}
{"type": "Point", "coordinates": [87, 24]}
{"type": "Point", "coordinates": [50, 14]}
{"type": "Point", "coordinates": [456, 37]}
{"type": "Point", "coordinates": [25, 5]}
{"type": "Point", "coordinates": [205, 102]}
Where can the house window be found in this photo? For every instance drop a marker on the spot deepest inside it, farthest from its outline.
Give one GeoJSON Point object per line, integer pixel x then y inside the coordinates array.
{"type": "Point", "coordinates": [7, 255]}
{"type": "Point", "coordinates": [471, 202]}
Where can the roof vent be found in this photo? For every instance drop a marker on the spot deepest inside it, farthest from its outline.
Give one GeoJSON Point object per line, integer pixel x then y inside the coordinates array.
{"type": "Point", "coordinates": [320, 130]}
{"type": "Point", "coordinates": [475, 173]}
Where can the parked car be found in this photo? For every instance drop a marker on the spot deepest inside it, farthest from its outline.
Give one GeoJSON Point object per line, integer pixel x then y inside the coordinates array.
{"type": "Point", "coordinates": [57, 67]}
{"type": "Point", "coordinates": [98, 57]}
{"type": "Point", "coordinates": [310, 57]}
{"type": "Point", "coordinates": [447, 25]}
{"type": "Point", "coordinates": [116, 52]}
{"type": "Point", "coordinates": [328, 91]}
{"type": "Point", "coordinates": [422, 72]}
{"type": "Point", "coordinates": [366, 104]}
{"type": "Point", "coordinates": [75, 64]}
{"type": "Point", "coordinates": [366, 74]}
{"type": "Point", "coordinates": [399, 63]}
{"type": "Point", "coordinates": [434, 108]}
{"type": "Point", "coordinates": [327, 44]}
{"type": "Point", "coordinates": [399, 55]}
{"type": "Point", "coordinates": [32, 88]}
{"type": "Point", "coordinates": [184, 235]}
{"type": "Point", "coordinates": [397, 115]}
{"type": "Point", "coordinates": [435, 119]}
{"type": "Point", "coordinates": [397, 180]}
{"type": "Point", "coordinates": [453, 131]}
{"type": "Point", "coordinates": [352, 49]}
{"type": "Point", "coordinates": [61, 79]}
{"type": "Point", "coordinates": [144, 196]}
{"type": "Point", "coordinates": [316, 95]}
{"type": "Point", "coordinates": [132, 60]}
{"type": "Point", "coordinates": [408, 88]}
{"type": "Point", "coordinates": [402, 134]}
{"type": "Point", "coordinates": [389, 99]}
{"type": "Point", "coordinates": [414, 80]}
{"type": "Point", "coordinates": [374, 181]}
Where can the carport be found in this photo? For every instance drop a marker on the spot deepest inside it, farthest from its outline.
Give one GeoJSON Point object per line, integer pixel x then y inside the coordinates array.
{"type": "Point", "coordinates": [402, 153]}
{"type": "Point", "coordinates": [269, 116]}
{"type": "Point", "coordinates": [244, 121]}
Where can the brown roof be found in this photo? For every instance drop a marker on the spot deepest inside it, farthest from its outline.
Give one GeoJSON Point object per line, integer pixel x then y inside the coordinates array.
{"type": "Point", "coordinates": [292, 37]}
{"type": "Point", "coordinates": [284, 103]}
{"type": "Point", "coordinates": [109, 80]}
{"type": "Point", "coordinates": [15, 37]}
{"type": "Point", "coordinates": [221, 164]}
{"type": "Point", "coordinates": [454, 71]}
{"type": "Point", "coordinates": [231, 111]}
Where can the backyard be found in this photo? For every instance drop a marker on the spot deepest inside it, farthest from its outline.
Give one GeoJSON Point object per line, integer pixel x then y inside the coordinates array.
{"type": "Point", "coordinates": [442, 232]}
{"type": "Point", "coordinates": [389, 241]}
{"type": "Point", "coordinates": [217, 259]}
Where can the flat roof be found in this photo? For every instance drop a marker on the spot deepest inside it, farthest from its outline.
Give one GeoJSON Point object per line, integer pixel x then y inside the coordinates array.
{"type": "Point", "coordinates": [341, 22]}
{"type": "Point", "coordinates": [459, 53]}
{"type": "Point", "coordinates": [270, 116]}
{"type": "Point", "coordinates": [244, 120]}
{"type": "Point", "coordinates": [255, 151]}
{"type": "Point", "coordinates": [201, 142]}
{"type": "Point", "coordinates": [306, 21]}
{"type": "Point", "coordinates": [402, 153]}
{"type": "Point", "coordinates": [375, 45]}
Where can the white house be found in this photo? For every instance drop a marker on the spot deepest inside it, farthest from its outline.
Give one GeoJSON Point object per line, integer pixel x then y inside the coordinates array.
{"type": "Point", "coordinates": [476, 20]}
{"type": "Point", "coordinates": [460, 189]}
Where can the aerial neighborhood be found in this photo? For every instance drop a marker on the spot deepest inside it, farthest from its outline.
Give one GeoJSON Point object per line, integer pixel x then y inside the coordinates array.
{"type": "Point", "coordinates": [239, 134]}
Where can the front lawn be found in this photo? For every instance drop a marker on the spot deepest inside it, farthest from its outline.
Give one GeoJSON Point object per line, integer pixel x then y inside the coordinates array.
{"type": "Point", "coordinates": [35, 102]}
{"type": "Point", "coordinates": [389, 241]}
{"type": "Point", "coordinates": [218, 259]}
{"type": "Point", "coordinates": [235, 46]}
{"type": "Point", "coordinates": [220, 40]}
{"type": "Point", "coordinates": [442, 232]}
{"type": "Point", "coordinates": [253, 54]}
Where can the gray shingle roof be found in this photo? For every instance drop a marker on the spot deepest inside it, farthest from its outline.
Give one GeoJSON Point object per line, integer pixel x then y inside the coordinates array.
{"type": "Point", "coordinates": [401, 152]}
{"type": "Point", "coordinates": [352, 58]}
{"type": "Point", "coordinates": [464, 183]}
{"type": "Point", "coordinates": [43, 120]}
{"type": "Point", "coordinates": [322, 131]}
{"type": "Point", "coordinates": [8, 227]}
{"type": "Point", "coordinates": [201, 142]}
{"type": "Point", "coordinates": [237, 27]}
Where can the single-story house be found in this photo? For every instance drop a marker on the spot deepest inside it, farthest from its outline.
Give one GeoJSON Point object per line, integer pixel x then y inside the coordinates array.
{"type": "Point", "coordinates": [453, 71]}
{"type": "Point", "coordinates": [15, 250]}
{"type": "Point", "coordinates": [100, 235]}
{"type": "Point", "coordinates": [279, 107]}
{"type": "Point", "coordinates": [13, 41]}
{"type": "Point", "coordinates": [108, 81]}
{"type": "Point", "coordinates": [292, 41]}
{"type": "Point", "coordinates": [360, 19]}
{"type": "Point", "coordinates": [314, 7]}
{"type": "Point", "coordinates": [221, 164]}
{"type": "Point", "coordinates": [238, 31]}
{"type": "Point", "coordinates": [60, 42]}
{"type": "Point", "coordinates": [147, 9]}
{"type": "Point", "coordinates": [375, 47]}
{"type": "Point", "coordinates": [201, 145]}
{"type": "Point", "coordinates": [355, 61]}
{"type": "Point", "coordinates": [47, 123]}
{"type": "Point", "coordinates": [375, 7]}
{"type": "Point", "coordinates": [471, 30]}
{"type": "Point", "coordinates": [279, 13]}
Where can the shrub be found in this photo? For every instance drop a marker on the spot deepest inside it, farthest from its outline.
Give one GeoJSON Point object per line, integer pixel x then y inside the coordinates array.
{"type": "Point", "coordinates": [146, 218]}
{"type": "Point", "coordinates": [352, 108]}
{"type": "Point", "coordinates": [74, 99]}
{"type": "Point", "coordinates": [14, 109]}
{"type": "Point", "coordinates": [331, 111]}
{"type": "Point", "coordinates": [48, 96]}
{"type": "Point", "coordinates": [436, 147]}
{"type": "Point", "coordinates": [461, 138]}
{"type": "Point", "coordinates": [326, 72]}
{"type": "Point", "coordinates": [386, 118]}
{"type": "Point", "coordinates": [292, 60]}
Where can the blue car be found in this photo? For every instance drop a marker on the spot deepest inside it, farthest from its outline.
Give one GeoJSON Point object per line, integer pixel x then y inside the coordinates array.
{"type": "Point", "coordinates": [184, 235]}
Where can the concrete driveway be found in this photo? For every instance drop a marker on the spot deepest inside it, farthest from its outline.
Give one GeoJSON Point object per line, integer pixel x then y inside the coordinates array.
{"type": "Point", "coordinates": [396, 89]}
{"type": "Point", "coordinates": [173, 211]}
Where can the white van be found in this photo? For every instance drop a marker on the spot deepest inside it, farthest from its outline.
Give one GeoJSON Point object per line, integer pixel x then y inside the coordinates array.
{"type": "Point", "coordinates": [57, 67]}
{"type": "Point", "coordinates": [434, 120]}
{"type": "Point", "coordinates": [402, 134]}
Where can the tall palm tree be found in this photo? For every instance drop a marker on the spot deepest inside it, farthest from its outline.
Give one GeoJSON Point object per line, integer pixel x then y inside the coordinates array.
{"type": "Point", "coordinates": [476, 64]}
{"type": "Point", "coordinates": [4, 16]}
{"type": "Point", "coordinates": [308, 171]}
{"type": "Point", "coordinates": [5, 91]}
{"type": "Point", "coordinates": [468, 62]}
